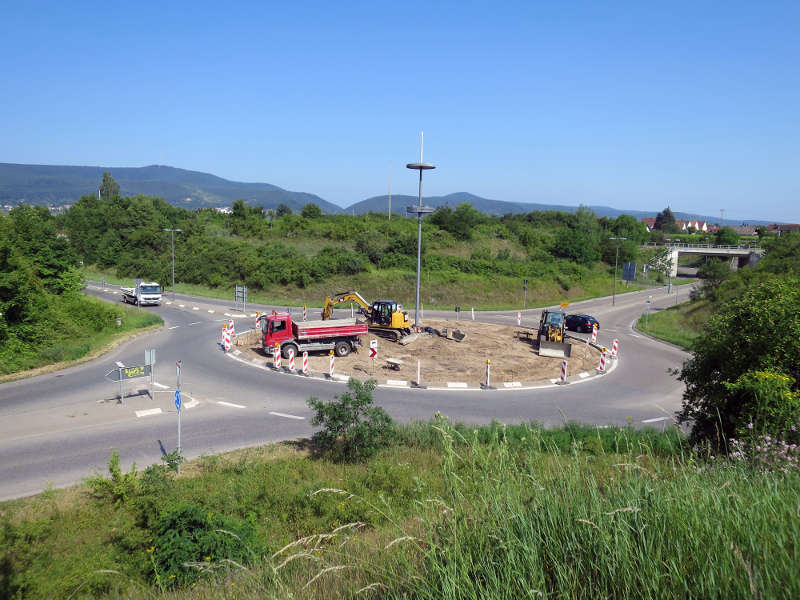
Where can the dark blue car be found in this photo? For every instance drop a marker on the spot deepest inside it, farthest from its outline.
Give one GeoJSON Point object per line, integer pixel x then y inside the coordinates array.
{"type": "Point", "coordinates": [581, 323]}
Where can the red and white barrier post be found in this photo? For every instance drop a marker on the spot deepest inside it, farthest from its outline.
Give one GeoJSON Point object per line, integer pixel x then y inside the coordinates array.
{"type": "Point", "coordinates": [594, 334]}
{"type": "Point", "coordinates": [231, 328]}
{"type": "Point", "coordinates": [305, 363]}
{"type": "Point", "coordinates": [519, 318]}
{"type": "Point", "coordinates": [330, 370]}
{"type": "Point", "coordinates": [222, 339]}
{"type": "Point", "coordinates": [258, 318]}
{"type": "Point", "coordinates": [276, 356]}
{"type": "Point", "coordinates": [226, 344]}
{"type": "Point", "coordinates": [563, 379]}
{"type": "Point", "coordinates": [291, 359]}
{"type": "Point", "coordinates": [601, 370]}
{"type": "Point", "coordinates": [614, 349]}
{"type": "Point", "coordinates": [488, 384]}
{"type": "Point", "coordinates": [305, 312]}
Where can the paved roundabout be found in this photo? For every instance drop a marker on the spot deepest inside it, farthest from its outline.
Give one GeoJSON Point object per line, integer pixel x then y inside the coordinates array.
{"type": "Point", "coordinates": [58, 427]}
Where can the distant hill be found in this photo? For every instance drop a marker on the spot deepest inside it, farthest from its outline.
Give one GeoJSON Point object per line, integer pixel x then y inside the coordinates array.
{"type": "Point", "coordinates": [500, 207]}
{"type": "Point", "coordinates": [60, 185]}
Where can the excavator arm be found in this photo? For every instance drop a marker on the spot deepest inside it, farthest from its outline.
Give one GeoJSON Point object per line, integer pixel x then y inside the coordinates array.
{"type": "Point", "coordinates": [352, 296]}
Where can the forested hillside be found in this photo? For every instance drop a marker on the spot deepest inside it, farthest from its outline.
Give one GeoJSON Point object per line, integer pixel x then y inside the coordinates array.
{"type": "Point", "coordinates": [43, 317]}
{"type": "Point", "coordinates": [469, 258]}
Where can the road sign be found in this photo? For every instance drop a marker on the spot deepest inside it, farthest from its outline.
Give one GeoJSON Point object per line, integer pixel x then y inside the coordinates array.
{"type": "Point", "coordinates": [178, 400]}
{"type": "Point", "coordinates": [628, 271]}
{"type": "Point", "coordinates": [373, 348]}
{"type": "Point", "coordinates": [129, 373]}
{"type": "Point", "coordinates": [150, 357]}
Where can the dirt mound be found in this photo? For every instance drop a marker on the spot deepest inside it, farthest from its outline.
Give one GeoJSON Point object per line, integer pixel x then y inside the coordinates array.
{"type": "Point", "coordinates": [512, 351]}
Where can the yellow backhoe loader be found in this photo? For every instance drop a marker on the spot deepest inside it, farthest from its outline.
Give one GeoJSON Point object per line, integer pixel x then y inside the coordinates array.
{"type": "Point", "coordinates": [551, 334]}
{"type": "Point", "coordinates": [383, 316]}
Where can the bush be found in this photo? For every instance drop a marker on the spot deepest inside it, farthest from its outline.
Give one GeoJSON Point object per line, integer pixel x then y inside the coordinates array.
{"type": "Point", "coordinates": [191, 541]}
{"type": "Point", "coordinates": [120, 487]}
{"type": "Point", "coordinates": [353, 429]}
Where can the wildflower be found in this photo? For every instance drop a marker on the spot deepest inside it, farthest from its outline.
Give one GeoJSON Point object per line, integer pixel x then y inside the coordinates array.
{"type": "Point", "coordinates": [749, 425]}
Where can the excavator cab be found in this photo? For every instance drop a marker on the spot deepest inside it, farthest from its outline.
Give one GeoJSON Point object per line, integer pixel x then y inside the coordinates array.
{"type": "Point", "coordinates": [384, 316]}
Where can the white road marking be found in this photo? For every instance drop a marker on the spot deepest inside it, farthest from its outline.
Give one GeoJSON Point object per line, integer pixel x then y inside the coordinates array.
{"type": "Point", "coordinates": [255, 360]}
{"type": "Point", "coordinates": [253, 315]}
{"type": "Point", "coordinates": [237, 352]}
{"type": "Point", "coordinates": [175, 327]}
{"type": "Point", "coordinates": [554, 380]}
{"type": "Point", "coordinates": [583, 375]}
{"type": "Point", "coordinates": [227, 314]}
{"type": "Point", "coordinates": [277, 414]}
{"type": "Point", "coordinates": [148, 412]}
{"type": "Point", "coordinates": [168, 302]}
{"type": "Point", "coordinates": [181, 305]}
{"type": "Point", "coordinates": [634, 335]}
{"type": "Point", "coordinates": [211, 311]}
{"type": "Point", "coordinates": [397, 382]}
{"type": "Point", "coordinates": [191, 403]}
{"type": "Point", "coordinates": [338, 377]}
{"type": "Point", "coordinates": [512, 384]}
{"type": "Point", "coordinates": [656, 420]}
{"type": "Point", "coordinates": [161, 385]}
{"type": "Point", "coordinates": [196, 323]}
{"type": "Point", "coordinates": [456, 384]}
{"type": "Point", "coordinates": [231, 404]}
{"type": "Point", "coordinates": [195, 308]}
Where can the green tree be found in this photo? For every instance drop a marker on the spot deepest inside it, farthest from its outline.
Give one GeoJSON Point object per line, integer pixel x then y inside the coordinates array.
{"type": "Point", "coordinates": [665, 221]}
{"type": "Point", "coordinates": [757, 330]}
{"type": "Point", "coordinates": [108, 188]}
{"type": "Point", "coordinates": [727, 237]}
{"type": "Point", "coordinates": [713, 273]}
{"type": "Point", "coordinates": [311, 211]}
{"type": "Point", "coordinates": [352, 427]}
{"type": "Point", "coordinates": [283, 210]}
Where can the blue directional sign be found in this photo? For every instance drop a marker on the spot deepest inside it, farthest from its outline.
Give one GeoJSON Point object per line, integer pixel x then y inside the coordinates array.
{"type": "Point", "coordinates": [178, 400]}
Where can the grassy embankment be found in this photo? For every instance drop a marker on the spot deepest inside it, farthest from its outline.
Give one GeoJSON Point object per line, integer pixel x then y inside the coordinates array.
{"type": "Point", "coordinates": [72, 330]}
{"type": "Point", "coordinates": [439, 292]}
{"type": "Point", "coordinates": [679, 325]}
{"type": "Point", "coordinates": [515, 512]}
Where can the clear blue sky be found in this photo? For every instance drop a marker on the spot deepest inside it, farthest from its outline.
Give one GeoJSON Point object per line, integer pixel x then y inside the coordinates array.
{"type": "Point", "coordinates": [694, 105]}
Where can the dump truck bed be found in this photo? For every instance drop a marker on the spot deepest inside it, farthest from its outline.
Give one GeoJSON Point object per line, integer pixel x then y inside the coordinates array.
{"type": "Point", "coordinates": [314, 330]}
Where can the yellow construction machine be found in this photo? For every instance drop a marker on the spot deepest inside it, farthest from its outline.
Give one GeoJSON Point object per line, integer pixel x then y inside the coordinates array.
{"type": "Point", "coordinates": [382, 316]}
{"type": "Point", "coordinates": [551, 334]}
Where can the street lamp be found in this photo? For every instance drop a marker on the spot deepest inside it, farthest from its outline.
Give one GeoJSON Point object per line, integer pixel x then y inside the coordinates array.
{"type": "Point", "coordinates": [616, 259]}
{"type": "Point", "coordinates": [419, 210]}
{"type": "Point", "coordinates": [172, 235]}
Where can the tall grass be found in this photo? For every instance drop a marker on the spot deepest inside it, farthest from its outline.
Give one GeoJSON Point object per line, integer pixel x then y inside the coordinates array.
{"type": "Point", "coordinates": [679, 325]}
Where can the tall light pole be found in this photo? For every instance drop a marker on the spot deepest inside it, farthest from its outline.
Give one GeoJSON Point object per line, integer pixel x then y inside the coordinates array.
{"type": "Point", "coordinates": [616, 259]}
{"type": "Point", "coordinates": [419, 210]}
{"type": "Point", "coordinates": [172, 235]}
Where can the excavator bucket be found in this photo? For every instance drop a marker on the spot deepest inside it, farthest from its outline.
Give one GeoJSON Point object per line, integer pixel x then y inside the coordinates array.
{"type": "Point", "coordinates": [554, 349]}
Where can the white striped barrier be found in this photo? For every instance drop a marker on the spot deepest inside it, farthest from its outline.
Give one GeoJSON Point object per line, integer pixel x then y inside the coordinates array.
{"type": "Point", "coordinates": [601, 370]}
{"type": "Point", "coordinates": [305, 312]}
{"type": "Point", "coordinates": [226, 344]}
{"type": "Point", "coordinates": [305, 362]}
{"type": "Point", "coordinates": [276, 357]}
{"type": "Point", "coordinates": [231, 327]}
{"type": "Point", "coordinates": [614, 349]}
{"type": "Point", "coordinates": [488, 384]}
{"type": "Point", "coordinates": [258, 319]}
{"type": "Point", "coordinates": [594, 334]}
{"type": "Point", "coordinates": [291, 359]}
{"type": "Point", "coordinates": [519, 318]}
{"type": "Point", "coordinates": [473, 313]}
{"type": "Point", "coordinates": [563, 379]}
{"type": "Point", "coordinates": [330, 370]}
{"type": "Point", "coordinates": [222, 339]}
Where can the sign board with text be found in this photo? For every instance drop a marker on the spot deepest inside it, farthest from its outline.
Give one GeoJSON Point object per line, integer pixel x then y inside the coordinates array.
{"type": "Point", "coordinates": [129, 373]}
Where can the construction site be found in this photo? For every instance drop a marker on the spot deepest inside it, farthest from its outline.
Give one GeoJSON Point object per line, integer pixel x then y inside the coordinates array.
{"type": "Point", "coordinates": [380, 342]}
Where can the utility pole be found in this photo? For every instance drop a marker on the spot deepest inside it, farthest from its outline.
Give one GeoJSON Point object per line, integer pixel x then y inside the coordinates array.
{"type": "Point", "coordinates": [390, 192]}
{"type": "Point", "coordinates": [172, 236]}
{"type": "Point", "coordinates": [616, 260]}
{"type": "Point", "coordinates": [419, 210]}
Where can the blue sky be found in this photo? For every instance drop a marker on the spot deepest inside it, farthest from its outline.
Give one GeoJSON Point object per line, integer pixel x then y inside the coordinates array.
{"type": "Point", "coordinates": [634, 105]}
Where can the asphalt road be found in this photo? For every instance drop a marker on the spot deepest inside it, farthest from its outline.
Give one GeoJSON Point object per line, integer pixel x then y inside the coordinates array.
{"type": "Point", "coordinates": [57, 428]}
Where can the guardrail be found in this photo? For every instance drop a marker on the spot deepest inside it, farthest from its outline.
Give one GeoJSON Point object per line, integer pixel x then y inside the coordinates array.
{"type": "Point", "coordinates": [710, 246]}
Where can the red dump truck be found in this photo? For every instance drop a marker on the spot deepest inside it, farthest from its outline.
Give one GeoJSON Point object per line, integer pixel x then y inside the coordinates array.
{"type": "Point", "coordinates": [340, 335]}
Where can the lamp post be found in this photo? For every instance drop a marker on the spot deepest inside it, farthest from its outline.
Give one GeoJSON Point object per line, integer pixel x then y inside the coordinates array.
{"type": "Point", "coordinates": [616, 259]}
{"type": "Point", "coordinates": [172, 236]}
{"type": "Point", "coordinates": [419, 210]}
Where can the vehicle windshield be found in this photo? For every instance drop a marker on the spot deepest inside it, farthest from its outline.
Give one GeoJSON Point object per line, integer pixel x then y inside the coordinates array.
{"type": "Point", "coordinates": [151, 289]}
{"type": "Point", "coordinates": [555, 319]}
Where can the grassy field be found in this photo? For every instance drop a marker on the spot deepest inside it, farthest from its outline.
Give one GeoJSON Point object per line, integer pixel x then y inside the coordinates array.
{"type": "Point", "coordinates": [91, 332]}
{"type": "Point", "coordinates": [495, 512]}
{"type": "Point", "coordinates": [438, 290]}
{"type": "Point", "coordinates": [678, 325]}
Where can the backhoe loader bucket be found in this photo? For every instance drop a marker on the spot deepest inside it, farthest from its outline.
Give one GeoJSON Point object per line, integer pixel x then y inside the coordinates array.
{"type": "Point", "coordinates": [554, 349]}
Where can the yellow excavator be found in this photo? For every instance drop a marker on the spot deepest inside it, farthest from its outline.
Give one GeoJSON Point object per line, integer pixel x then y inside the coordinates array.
{"type": "Point", "coordinates": [383, 316]}
{"type": "Point", "coordinates": [551, 334]}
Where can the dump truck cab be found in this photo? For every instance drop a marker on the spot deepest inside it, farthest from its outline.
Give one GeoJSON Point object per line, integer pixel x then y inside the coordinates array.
{"type": "Point", "coordinates": [551, 334]}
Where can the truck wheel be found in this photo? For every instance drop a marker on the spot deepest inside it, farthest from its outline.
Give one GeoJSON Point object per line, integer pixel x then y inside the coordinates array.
{"type": "Point", "coordinates": [285, 350]}
{"type": "Point", "coordinates": [342, 349]}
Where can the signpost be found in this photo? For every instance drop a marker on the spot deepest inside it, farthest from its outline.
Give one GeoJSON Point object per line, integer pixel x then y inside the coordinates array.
{"type": "Point", "coordinates": [629, 272]}
{"type": "Point", "coordinates": [178, 368]}
{"type": "Point", "coordinates": [647, 310]}
{"type": "Point", "coordinates": [121, 373]}
{"type": "Point", "coordinates": [150, 359]}
{"type": "Point", "coordinates": [524, 293]}
{"type": "Point", "coordinates": [373, 353]}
